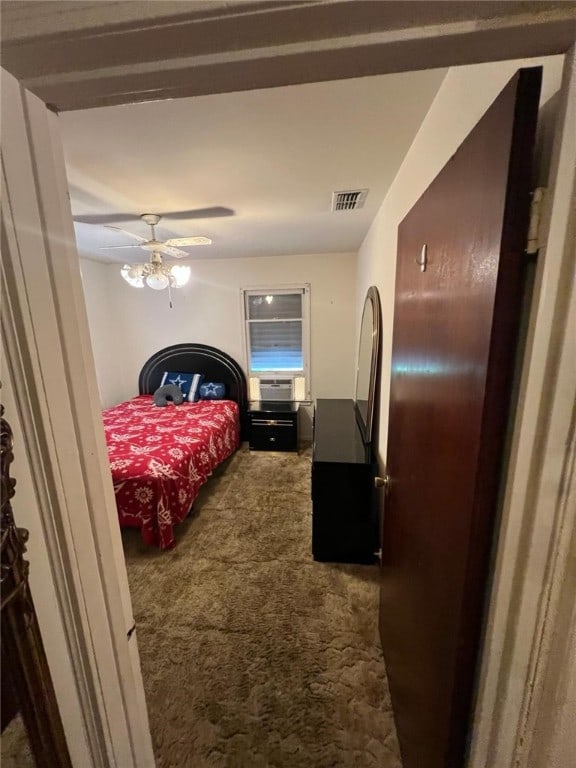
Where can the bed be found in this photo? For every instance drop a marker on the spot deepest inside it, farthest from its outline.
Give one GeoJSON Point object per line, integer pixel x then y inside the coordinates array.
{"type": "Point", "coordinates": [161, 456]}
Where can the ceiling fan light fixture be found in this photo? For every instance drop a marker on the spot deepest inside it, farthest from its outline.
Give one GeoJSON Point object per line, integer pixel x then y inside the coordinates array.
{"type": "Point", "coordinates": [181, 274]}
{"type": "Point", "coordinates": [155, 274]}
{"type": "Point", "coordinates": [132, 275]}
{"type": "Point", "coordinates": [157, 280]}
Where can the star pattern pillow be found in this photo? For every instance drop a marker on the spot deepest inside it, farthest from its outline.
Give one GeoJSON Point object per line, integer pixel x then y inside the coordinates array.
{"type": "Point", "coordinates": [189, 383]}
{"type": "Point", "coordinates": [212, 390]}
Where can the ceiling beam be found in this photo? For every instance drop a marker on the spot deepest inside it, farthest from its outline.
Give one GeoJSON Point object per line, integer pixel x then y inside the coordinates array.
{"type": "Point", "coordinates": [232, 46]}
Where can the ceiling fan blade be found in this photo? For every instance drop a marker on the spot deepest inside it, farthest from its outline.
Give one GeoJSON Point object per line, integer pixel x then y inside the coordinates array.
{"type": "Point", "coordinates": [216, 211]}
{"type": "Point", "coordinates": [128, 234]}
{"type": "Point", "coordinates": [176, 252]}
{"type": "Point", "coordinates": [108, 247]}
{"type": "Point", "coordinates": [181, 241]}
{"type": "Point", "coordinates": [105, 218]}
{"type": "Point", "coordinates": [200, 213]}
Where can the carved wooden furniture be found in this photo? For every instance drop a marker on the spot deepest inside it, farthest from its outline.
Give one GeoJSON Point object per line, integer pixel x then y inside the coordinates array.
{"type": "Point", "coordinates": [26, 681]}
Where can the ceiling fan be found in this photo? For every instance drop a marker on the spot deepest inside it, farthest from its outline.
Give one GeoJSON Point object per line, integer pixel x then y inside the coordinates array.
{"type": "Point", "coordinates": [171, 247]}
{"type": "Point", "coordinates": [196, 213]}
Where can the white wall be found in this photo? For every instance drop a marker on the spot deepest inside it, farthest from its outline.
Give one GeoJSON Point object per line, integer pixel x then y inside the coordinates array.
{"type": "Point", "coordinates": [128, 325]}
{"type": "Point", "coordinates": [464, 96]}
{"type": "Point", "coordinates": [106, 331]}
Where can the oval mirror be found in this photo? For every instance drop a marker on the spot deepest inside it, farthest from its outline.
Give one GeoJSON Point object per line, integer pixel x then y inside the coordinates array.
{"type": "Point", "coordinates": [368, 360]}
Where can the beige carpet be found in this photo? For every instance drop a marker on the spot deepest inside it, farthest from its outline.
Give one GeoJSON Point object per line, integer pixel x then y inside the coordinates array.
{"type": "Point", "coordinates": [253, 655]}
{"type": "Point", "coordinates": [15, 747]}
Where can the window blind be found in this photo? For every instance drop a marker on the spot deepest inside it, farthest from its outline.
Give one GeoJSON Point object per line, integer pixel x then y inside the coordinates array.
{"type": "Point", "coordinates": [276, 346]}
{"type": "Point", "coordinates": [274, 306]}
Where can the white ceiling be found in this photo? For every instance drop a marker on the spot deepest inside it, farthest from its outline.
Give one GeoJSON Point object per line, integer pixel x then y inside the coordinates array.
{"type": "Point", "coordinates": [273, 156]}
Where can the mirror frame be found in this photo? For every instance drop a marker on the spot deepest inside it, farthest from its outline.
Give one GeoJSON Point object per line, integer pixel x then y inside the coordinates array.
{"type": "Point", "coordinates": [365, 424]}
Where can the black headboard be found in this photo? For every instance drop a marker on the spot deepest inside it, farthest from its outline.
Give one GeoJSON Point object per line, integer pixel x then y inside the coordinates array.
{"type": "Point", "coordinates": [197, 358]}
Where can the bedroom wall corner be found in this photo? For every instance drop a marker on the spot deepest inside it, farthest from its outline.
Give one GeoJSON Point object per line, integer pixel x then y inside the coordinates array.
{"type": "Point", "coordinates": [107, 329]}
{"type": "Point", "coordinates": [208, 310]}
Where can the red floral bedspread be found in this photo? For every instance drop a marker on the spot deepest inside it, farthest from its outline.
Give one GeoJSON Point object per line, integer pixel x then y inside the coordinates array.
{"type": "Point", "coordinates": [161, 456]}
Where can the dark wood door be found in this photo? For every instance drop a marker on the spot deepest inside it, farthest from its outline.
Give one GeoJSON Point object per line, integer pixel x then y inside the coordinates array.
{"type": "Point", "coordinates": [455, 327]}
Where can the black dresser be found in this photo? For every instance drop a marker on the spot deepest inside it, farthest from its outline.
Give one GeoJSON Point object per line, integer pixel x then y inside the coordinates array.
{"type": "Point", "coordinates": [344, 513]}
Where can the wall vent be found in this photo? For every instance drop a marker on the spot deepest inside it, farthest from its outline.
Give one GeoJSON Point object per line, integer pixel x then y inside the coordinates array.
{"type": "Point", "coordinates": [348, 200]}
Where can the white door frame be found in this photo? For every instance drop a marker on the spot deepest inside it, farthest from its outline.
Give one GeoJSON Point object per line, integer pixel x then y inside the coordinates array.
{"type": "Point", "coordinates": [539, 509]}
{"type": "Point", "coordinates": [46, 341]}
{"type": "Point", "coordinates": [48, 347]}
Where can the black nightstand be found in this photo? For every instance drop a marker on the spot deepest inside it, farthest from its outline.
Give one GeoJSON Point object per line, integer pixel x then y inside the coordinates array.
{"type": "Point", "coordinates": [273, 426]}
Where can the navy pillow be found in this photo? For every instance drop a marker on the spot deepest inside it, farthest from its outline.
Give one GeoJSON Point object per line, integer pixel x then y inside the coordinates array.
{"type": "Point", "coordinates": [212, 390]}
{"type": "Point", "coordinates": [189, 383]}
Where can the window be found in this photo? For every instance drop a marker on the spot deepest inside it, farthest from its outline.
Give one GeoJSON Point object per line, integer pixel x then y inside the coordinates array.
{"type": "Point", "coordinates": [278, 342]}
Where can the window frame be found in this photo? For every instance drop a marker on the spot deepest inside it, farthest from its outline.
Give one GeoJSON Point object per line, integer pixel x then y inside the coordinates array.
{"type": "Point", "coordinates": [304, 289]}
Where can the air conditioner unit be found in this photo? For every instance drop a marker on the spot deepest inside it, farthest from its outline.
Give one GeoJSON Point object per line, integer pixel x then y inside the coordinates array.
{"type": "Point", "coordinates": [276, 389]}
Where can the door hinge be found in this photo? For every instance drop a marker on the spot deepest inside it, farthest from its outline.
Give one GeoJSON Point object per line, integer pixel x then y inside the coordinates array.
{"type": "Point", "coordinates": [533, 244]}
